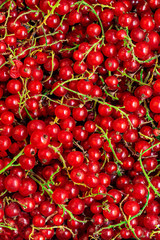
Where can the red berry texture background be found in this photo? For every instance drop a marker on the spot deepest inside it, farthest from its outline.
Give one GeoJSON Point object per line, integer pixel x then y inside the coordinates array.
{"type": "Point", "coordinates": [79, 119]}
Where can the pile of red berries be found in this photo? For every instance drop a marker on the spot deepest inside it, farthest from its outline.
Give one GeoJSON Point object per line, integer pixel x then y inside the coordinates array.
{"type": "Point", "coordinates": [79, 119]}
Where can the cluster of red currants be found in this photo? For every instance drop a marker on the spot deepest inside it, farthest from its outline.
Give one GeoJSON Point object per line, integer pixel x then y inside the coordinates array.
{"type": "Point", "coordinates": [79, 119]}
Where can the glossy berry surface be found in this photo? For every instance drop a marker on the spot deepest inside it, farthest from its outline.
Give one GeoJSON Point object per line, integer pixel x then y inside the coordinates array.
{"type": "Point", "coordinates": [79, 119]}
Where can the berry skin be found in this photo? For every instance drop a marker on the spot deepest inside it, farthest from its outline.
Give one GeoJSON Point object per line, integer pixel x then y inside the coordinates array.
{"type": "Point", "coordinates": [5, 143]}
{"type": "Point", "coordinates": [131, 104]}
{"type": "Point", "coordinates": [38, 221]}
{"type": "Point", "coordinates": [60, 196]}
{"type": "Point", "coordinates": [150, 221]}
{"type": "Point", "coordinates": [76, 206]}
{"type": "Point", "coordinates": [156, 16]}
{"type": "Point", "coordinates": [120, 125]}
{"type": "Point", "coordinates": [27, 163]}
{"type": "Point", "coordinates": [62, 112]}
{"type": "Point", "coordinates": [155, 104]}
{"type": "Point", "coordinates": [139, 191]}
{"type": "Point", "coordinates": [93, 30]}
{"type": "Point", "coordinates": [111, 212]}
{"type": "Point", "coordinates": [40, 139]}
{"type": "Point", "coordinates": [95, 58]}
{"type": "Point", "coordinates": [7, 118]}
{"type": "Point", "coordinates": [142, 146]}
{"type": "Point", "coordinates": [75, 158]}
{"type": "Point", "coordinates": [142, 50]}
{"type": "Point", "coordinates": [12, 210]}
{"type": "Point", "coordinates": [12, 183]}
{"type": "Point", "coordinates": [21, 33]}
{"type": "Point", "coordinates": [131, 208]}
{"type": "Point", "coordinates": [111, 64]}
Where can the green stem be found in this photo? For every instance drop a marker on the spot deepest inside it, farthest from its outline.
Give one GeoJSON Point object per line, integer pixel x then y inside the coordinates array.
{"type": "Point", "coordinates": [54, 227]}
{"type": "Point", "coordinates": [114, 98]}
{"type": "Point", "coordinates": [11, 163]}
{"type": "Point", "coordinates": [7, 226]}
{"type": "Point", "coordinates": [25, 13]}
{"type": "Point", "coordinates": [103, 6]}
{"type": "Point", "coordinates": [44, 34]}
{"type": "Point", "coordinates": [52, 10]}
{"type": "Point", "coordinates": [132, 49]}
{"type": "Point", "coordinates": [133, 79]}
{"type": "Point", "coordinates": [39, 46]}
{"type": "Point", "coordinates": [50, 181]}
{"type": "Point", "coordinates": [110, 144]}
{"type": "Point", "coordinates": [125, 222]}
{"type": "Point", "coordinates": [49, 192]}
{"type": "Point", "coordinates": [70, 49]}
{"type": "Point", "coordinates": [100, 22]}
{"type": "Point", "coordinates": [131, 228]}
{"type": "Point", "coordinates": [144, 172]}
{"type": "Point", "coordinates": [70, 214]}
{"type": "Point", "coordinates": [4, 3]}
{"type": "Point", "coordinates": [94, 99]}
{"type": "Point", "coordinates": [60, 156]}
{"type": "Point", "coordinates": [158, 167]}
{"type": "Point", "coordinates": [3, 193]}
{"type": "Point", "coordinates": [28, 113]}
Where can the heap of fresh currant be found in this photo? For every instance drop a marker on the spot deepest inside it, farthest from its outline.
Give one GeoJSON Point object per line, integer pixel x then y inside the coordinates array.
{"type": "Point", "coordinates": [79, 119]}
